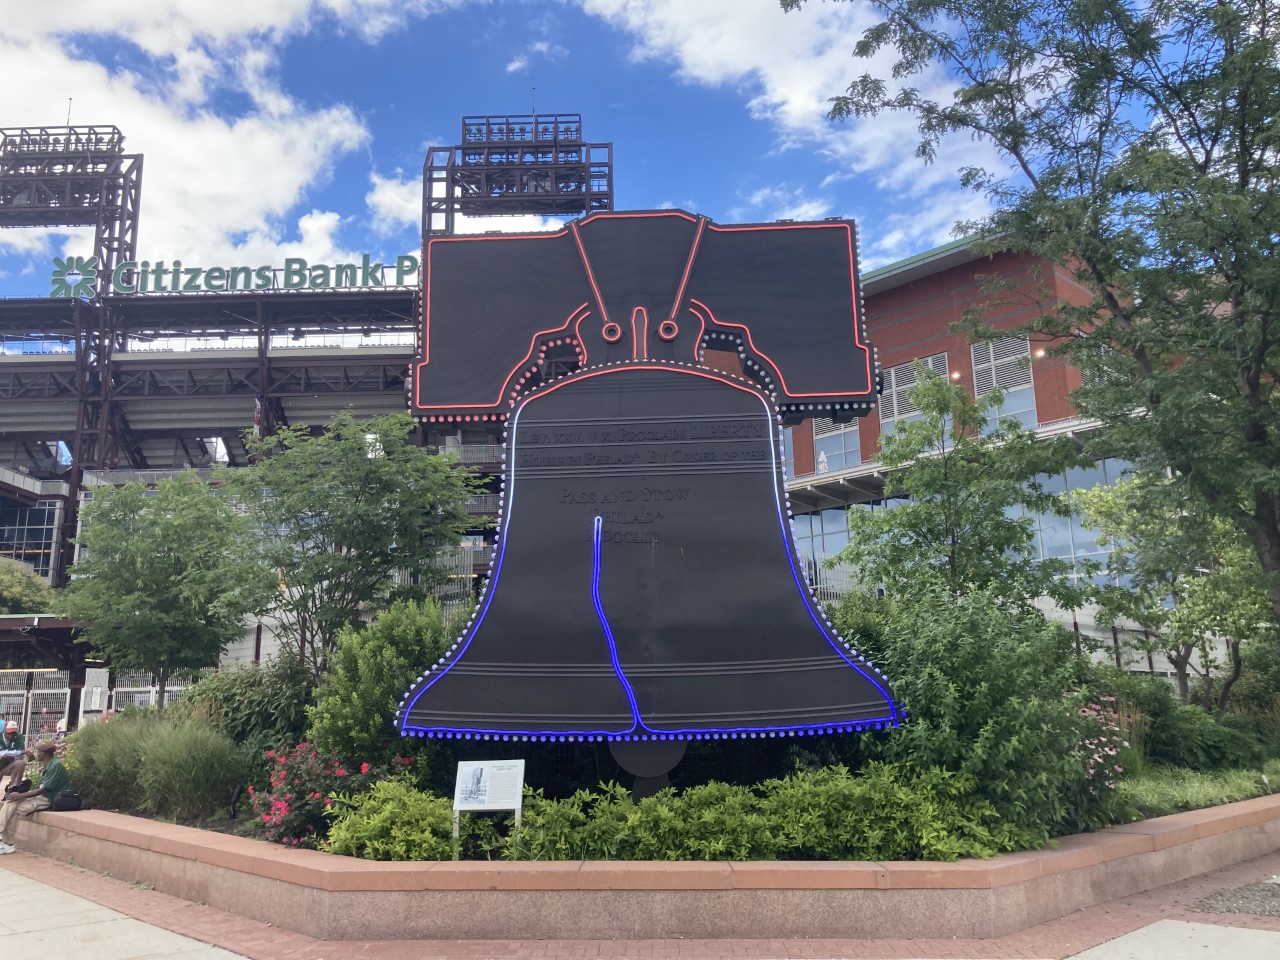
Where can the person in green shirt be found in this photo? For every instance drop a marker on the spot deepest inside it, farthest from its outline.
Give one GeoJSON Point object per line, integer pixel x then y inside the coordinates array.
{"type": "Point", "coordinates": [52, 782]}
{"type": "Point", "coordinates": [13, 751]}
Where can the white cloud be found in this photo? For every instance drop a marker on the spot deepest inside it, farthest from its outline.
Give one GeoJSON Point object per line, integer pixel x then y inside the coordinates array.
{"type": "Point", "coordinates": [394, 203]}
{"type": "Point", "coordinates": [395, 206]}
{"type": "Point", "coordinates": [544, 49]}
{"type": "Point", "coordinates": [217, 186]}
{"type": "Point", "coordinates": [788, 66]}
{"type": "Point", "coordinates": [781, 202]}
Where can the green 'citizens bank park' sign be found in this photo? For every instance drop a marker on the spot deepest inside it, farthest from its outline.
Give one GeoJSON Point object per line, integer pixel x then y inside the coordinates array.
{"type": "Point", "coordinates": [78, 276]}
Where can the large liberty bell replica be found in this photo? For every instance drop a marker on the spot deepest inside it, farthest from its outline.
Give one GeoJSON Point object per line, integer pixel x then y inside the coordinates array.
{"type": "Point", "coordinates": [645, 588]}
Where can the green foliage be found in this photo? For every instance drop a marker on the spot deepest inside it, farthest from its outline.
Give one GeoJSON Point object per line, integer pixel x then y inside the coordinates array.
{"type": "Point", "coordinates": [1175, 735]}
{"type": "Point", "coordinates": [967, 488]}
{"type": "Point", "coordinates": [1167, 545]}
{"type": "Point", "coordinates": [165, 577]}
{"type": "Point", "coordinates": [392, 821]}
{"type": "Point", "coordinates": [986, 689]}
{"type": "Point", "coordinates": [104, 759]}
{"type": "Point", "coordinates": [1164, 791]}
{"type": "Point", "coordinates": [189, 770]}
{"type": "Point", "coordinates": [369, 671]}
{"type": "Point", "coordinates": [21, 591]}
{"type": "Point", "coordinates": [291, 808]}
{"type": "Point", "coordinates": [862, 618]}
{"type": "Point", "coordinates": [1190, 737]}
{"type": "Point", "coordinates": [1256, 697]}
{"type": "Point", "coordinates": [351, 510]}
{"type": "Point", "coordinates": [1136, 153]}
{"type": "Point", "coordinates": [884, 813]}
{"type": "Point", "coordinates": [263, 707]}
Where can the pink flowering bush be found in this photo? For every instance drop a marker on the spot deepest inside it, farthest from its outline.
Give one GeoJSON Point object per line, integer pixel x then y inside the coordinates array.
{"type": "Point", "coordinates": [1103, 745]}
{"type": "Point", "coordinates": [1102, 749]}
{"type": "Point", "coordinates": [300, 788]}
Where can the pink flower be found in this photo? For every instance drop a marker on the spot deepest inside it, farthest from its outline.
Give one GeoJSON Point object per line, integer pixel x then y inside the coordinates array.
{"type": "Point", "coordinates": [364, 768]}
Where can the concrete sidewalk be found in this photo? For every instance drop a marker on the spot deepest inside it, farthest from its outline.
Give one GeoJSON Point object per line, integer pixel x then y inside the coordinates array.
{"type": "Point", "coordinates": [39, 920]}
{"type": "Point", "coordinates": [51, 908]}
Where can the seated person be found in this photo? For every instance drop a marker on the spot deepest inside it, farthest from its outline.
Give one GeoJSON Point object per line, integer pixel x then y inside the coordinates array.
{"type": "Point", "coordinates": [13, 751]}
{"type": "Point", "coordinates": [19, 803]}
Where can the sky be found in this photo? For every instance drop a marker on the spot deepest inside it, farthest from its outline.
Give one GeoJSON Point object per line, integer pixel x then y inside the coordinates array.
{"type": "Point", "coordinates": [298, 128]}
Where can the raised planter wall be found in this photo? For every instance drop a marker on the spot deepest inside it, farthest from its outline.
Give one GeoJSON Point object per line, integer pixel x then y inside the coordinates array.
{"type": "Point", "coordinates": [343, 898]}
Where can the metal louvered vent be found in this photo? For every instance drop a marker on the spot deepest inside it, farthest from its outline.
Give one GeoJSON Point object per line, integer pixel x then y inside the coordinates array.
{"type": "Point", "coordinates": [898, 381]}
{"type": "Point", "coordinates": [1001, 363]}
{"type": "Point", "coordinates": [825, 425]}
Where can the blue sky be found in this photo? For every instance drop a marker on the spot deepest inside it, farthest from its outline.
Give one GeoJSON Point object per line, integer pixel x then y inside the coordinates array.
{"type": "Point", "coordinates": [277, 128]}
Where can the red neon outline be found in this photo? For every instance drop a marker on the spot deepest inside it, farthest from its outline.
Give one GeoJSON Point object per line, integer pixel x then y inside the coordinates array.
{"type": "Point", "coordinates": [573, 228]}
{"type": "Point", "coordinates": [577, 333]}
{"type": "Point", "coordinates": [688, 267]}
{"type": "Point", "coordinates": [640, 335]}
{"type": "Point", "coordinates": [667, 368]}
{"type": "Point", "coordinates": [675, 330]}
{"type": "Point", "coordinates": [697, 341]}
{"type": "Point", "coordinates": [853, 292]}
{"type": "Point", "coordinates": [426, 293]}
{"type": "Point", "coordinates": [615, 337]}
{"type": "Point", "coordinates": [769, 360]}
{"type": "Point", "coordinates": [533, 344]}
{"type": "Point", "coordinates": [586, 265]}
{"type": "Point", "coordinates": [632, 214]}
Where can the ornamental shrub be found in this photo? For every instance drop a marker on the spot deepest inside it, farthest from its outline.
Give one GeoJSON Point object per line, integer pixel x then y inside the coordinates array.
{"type": "Point", "coordinates": [300, 787]}
{"type": "Point", "coordinates": [104, 759]}
{"type": "Point", "coordinates": [189, 771]}
{"type": "Point", "coordinates": [883, 813]}
{"type": "Point", "coordinates": [1190, 737]}
{"type": "Point", "coordinates": [369, 671]}
{"type": "Point", "coordinates": [262, 706]}
{"type": "Point", "coordinates": [392, 821]}
{"type": "Point", "coordinates": [986, 685]}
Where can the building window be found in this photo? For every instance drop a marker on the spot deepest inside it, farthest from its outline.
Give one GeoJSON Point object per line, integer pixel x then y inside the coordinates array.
{"type": "Point", "coordinates": [788, 453]}
{"type": "Point", "coordinates": [1006, 364]}
{"type": "Point", "coordinates": [835, 445]}
{"type": "Point", "coordinates": [30, 534]}
{"type": "Point", "coordinates": [895, 404]}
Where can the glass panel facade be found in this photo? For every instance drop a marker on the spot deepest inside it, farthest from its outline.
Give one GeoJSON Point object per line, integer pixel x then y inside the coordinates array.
{"type": "Point", "coordinates": [30, 534]}
{"type": "Point", "coordinates": [820, 536]}
{"type": "Point", "coordinates": [836, 446]}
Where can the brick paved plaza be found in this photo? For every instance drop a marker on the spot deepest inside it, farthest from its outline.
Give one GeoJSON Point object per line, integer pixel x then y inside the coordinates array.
{"type": "Point", "coordinates": [1061, 938]}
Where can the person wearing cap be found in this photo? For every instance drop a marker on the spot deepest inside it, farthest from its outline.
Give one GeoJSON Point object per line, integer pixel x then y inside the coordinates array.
{"type": "Point", "coordinates": [20, 803]}
{"type": "Point", "coordinates": [13, 750]}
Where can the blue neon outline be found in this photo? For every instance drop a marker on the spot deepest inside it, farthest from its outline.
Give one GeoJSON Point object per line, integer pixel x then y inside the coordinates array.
{"type": "Point", "coordinates": [833, 726]}
{"type": "Point", "coordinates": [637, 723]}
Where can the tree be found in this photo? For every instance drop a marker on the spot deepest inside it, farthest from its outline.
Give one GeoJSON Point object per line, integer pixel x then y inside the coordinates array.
{"type": "Point", "coordinates": [357, 516]}
{"type": "Point", "coordinates": [369, 672]}
{"type": "Point", "coordinates": [21, 591]}
{"type": "Point", "coordinates": [968, 488]}
{"type": "Point", "coordinates": [1140, 152]}
{"type": "Point", "coordinates": [1190, 580]}
{"type": "Point", "coordinates": [165, 576]}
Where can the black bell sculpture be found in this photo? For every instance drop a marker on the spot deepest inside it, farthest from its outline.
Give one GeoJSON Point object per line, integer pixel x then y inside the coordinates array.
{"type": "Point", "coordinates": [645, 585]}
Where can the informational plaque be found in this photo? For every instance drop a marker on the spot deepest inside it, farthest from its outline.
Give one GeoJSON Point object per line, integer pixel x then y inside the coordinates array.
{"type": "Point", "coordinates": [488, 785]}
